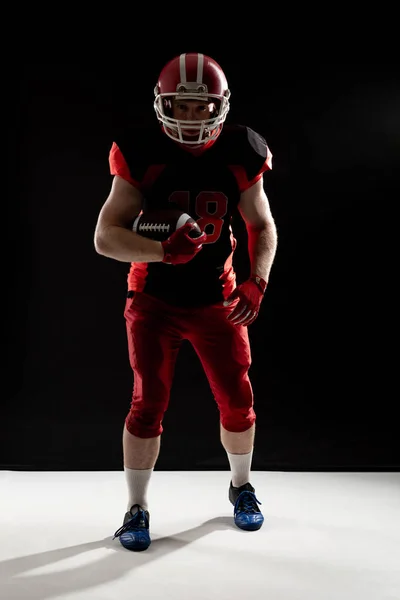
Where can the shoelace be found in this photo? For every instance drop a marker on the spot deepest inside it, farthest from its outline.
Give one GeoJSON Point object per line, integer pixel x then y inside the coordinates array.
{"type": "Point", "coordinates": [246, 502]}
{"type": "Point", "coordinates": [133, 523]}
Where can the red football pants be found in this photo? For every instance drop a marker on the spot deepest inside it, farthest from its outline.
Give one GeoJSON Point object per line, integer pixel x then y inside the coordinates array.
{"type": "Point", "coordinates": [155, 331]}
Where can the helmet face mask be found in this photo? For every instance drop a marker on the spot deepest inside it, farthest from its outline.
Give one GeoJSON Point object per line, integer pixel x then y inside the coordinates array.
{"type": "Point", "coordinates": [194, 77]}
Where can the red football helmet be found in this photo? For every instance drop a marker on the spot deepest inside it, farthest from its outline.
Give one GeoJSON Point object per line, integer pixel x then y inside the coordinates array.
{"type": "Point", "coordinates": [192, 76]}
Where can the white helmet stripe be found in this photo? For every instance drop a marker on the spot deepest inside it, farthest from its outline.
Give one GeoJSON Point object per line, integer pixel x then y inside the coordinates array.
{"type": "Point", "coordinates": [182, 68]}
{"type": "Point", "coordinates": [200, 63]}
{"type": "Point", "coordinates": [200, 68]}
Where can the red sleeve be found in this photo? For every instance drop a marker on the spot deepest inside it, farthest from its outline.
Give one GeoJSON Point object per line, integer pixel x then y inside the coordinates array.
{"type": "Point", "coordinates": [118, 165]}
{"type": "Point", "coordinates": [241, 177]}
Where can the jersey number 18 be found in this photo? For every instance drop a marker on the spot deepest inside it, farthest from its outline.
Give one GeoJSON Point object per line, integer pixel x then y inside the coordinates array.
{"type": "Point", "coordinates": [210, 208]}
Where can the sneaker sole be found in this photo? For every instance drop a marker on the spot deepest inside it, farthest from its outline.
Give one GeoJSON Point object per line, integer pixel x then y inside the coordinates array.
{"type": "Point", "coordinates": [134, 548]}
{"type": "Point", "coordinates": [250, 527]}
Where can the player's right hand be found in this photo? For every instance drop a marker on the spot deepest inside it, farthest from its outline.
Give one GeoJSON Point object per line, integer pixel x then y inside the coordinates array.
{"type": "Point", "coordinates": [180, 248]}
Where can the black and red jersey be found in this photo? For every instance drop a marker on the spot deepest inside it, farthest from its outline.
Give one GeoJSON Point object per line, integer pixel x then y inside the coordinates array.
{"type": "Point", "coordinates": [207, 185]}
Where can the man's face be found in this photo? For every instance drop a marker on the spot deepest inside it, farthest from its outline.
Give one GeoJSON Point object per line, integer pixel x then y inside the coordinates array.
{"type": "Point", "coordinates": [192, 110]}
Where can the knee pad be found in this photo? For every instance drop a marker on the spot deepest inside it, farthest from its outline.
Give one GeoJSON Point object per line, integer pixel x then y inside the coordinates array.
{"type": "Point", "coordinates": [238, 420]}
{"type": "Point", "coordinates": [143, 427]}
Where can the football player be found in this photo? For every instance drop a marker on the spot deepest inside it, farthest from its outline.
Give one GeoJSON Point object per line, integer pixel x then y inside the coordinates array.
{"type": "Point", "coordinates": [185, 287]}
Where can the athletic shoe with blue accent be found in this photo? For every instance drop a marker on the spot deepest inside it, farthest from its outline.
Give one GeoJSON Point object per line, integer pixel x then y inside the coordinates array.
{"type": "Point", "coordinates": [246, 513]}
{"type": "Point", "coordinates": [134, 533]}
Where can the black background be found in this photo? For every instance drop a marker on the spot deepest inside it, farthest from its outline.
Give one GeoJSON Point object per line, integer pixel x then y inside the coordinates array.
{"type": "Point", "coordinates": [325, 343]}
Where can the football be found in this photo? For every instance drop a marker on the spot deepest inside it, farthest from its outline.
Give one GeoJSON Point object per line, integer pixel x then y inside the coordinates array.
{"type": "Point", "coordinates": [160, 224]}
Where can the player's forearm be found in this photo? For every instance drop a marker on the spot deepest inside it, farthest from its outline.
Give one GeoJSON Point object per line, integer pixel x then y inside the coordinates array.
{"type": "Point", "coordinates": [126, 246]}
{"type": "Point", "coordinates": [262, 245]}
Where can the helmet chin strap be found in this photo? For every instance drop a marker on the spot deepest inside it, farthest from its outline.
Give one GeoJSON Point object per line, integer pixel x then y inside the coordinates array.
{"type": "Point", "coordinates": [203, 134]}
{"type": "Point", "coordinates": [208, 138]}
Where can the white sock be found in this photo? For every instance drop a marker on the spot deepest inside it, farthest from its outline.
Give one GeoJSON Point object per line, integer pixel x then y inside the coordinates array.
{"type": "Point", "coordinates": [240, 468]}
{"type": "Point", "coordinates": [138, 482]}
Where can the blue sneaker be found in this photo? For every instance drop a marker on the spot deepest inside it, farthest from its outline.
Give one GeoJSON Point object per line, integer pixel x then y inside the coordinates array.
{"type": "Point", "coordinates": [134, 533]}
{"type": "Point", "coordinates": [246, 513]}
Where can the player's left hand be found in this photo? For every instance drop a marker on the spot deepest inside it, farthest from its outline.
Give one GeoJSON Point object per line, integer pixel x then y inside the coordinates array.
{"type": "Point", "coordinates": [250, 294]}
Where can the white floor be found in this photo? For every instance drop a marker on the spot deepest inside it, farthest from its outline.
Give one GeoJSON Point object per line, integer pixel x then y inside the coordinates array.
{"type": "Point", "coordinates": [326, 536]}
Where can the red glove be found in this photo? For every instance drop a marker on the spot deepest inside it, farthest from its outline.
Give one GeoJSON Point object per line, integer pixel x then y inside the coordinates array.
{"type": "Point", "coordinates": [250, 294]}
{"type": "Point", "coordinates": [179, 248]}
